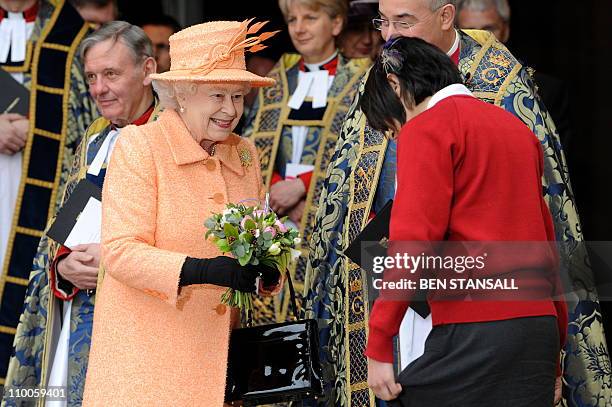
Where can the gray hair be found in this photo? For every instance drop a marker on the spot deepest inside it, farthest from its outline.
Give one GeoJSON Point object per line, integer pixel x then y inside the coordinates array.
{"type": "Point", "coordinates": [501, 6]}
{"type": "Point", "coordinates": [169, 92]}
{"type": "Point", "coordinates": [436, 4]}
{"type": "Point", "coordinates": [130, 35]}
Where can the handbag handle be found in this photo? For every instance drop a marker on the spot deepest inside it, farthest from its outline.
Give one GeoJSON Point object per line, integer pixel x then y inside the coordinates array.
{"type": "Point", "coordinates": [292, 296]}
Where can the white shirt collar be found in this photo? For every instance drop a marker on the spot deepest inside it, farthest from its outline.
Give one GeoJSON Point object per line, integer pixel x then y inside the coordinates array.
{"type": "Point", "coordinates": [455, 46]}
{"type": "Point", "coordinates": [455, 89]}
{"type": "Point", "coordinates": [318, 65]}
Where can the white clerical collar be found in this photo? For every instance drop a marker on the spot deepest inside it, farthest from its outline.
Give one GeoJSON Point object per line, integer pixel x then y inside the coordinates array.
{"type": "Point", "coordinates": [313, 84]}
{"type": "Point", "coordinates": [14, 34]}
{"type": "Point", "coordinates": [455, 46]}
{"type": "Point", "coordinates": [456, 89]}
{"type": "Point", "coordinates": [319, 65]}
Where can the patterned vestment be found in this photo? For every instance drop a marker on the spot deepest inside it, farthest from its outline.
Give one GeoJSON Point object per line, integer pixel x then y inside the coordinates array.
{"type": "Point", "coordinates": [31, 363]}
{"type": "Point", "coordinates": [269, 126]}
{"type": "Point", "coordinates": [60, 111]}
{"type": "Point", "coordinates": [336, 291]}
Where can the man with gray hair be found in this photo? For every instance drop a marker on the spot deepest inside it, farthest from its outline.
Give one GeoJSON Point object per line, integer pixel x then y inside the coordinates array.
{"type": "Point", "coordinates": [361, 180]}
{"type": "Point", "coordinates": [118, 59]}
{"type": "Point", "coordinates": [488, 15]}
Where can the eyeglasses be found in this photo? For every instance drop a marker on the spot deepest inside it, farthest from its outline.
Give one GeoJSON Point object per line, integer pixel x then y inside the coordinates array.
{"type": "Point", "coordinates": [380, 24]}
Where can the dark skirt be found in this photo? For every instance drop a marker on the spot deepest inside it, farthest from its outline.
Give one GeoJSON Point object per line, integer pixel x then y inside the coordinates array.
{"type": "Point", "coordinates": [490, 364]}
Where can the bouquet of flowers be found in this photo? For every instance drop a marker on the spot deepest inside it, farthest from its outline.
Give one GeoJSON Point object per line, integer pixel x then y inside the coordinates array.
{"type": "Point", "coordinates": [253, 236]}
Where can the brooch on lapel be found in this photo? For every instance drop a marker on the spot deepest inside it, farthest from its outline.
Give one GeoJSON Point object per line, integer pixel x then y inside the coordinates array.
{"type": "Point", "coordinates": [245, 157]}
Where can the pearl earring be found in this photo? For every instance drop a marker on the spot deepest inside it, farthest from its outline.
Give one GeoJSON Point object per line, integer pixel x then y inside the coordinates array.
{"type": "Point", "coordinates": [182, 109]}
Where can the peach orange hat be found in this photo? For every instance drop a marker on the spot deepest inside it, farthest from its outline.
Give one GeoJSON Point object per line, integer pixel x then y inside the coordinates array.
{"type": "Point", "coordinates": [214, 53]}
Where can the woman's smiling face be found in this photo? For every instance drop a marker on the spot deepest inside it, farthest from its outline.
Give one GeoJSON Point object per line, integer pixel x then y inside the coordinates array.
{"type": "Point", "coordinates": [213, 110]}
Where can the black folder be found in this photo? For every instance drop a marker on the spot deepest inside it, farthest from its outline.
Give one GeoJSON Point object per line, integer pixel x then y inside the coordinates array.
{"type": "Point", "coordinates": [69, 213]}
{"type": "Point", "coordinates": [370, 243]}
{"type": "Point", "coordinates": [14, 98]}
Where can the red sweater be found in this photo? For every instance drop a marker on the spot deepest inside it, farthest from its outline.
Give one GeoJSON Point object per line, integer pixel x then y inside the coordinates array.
{"type": "Point", "coordinates": [468, 171]}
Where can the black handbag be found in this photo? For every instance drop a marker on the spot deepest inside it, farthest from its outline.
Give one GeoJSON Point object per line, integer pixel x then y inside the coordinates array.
{"type": "Point", "coordinates": [274, 363]}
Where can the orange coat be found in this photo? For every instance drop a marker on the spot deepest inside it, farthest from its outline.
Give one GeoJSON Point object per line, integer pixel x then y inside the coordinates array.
{"type": "Point", "coordinates": [155, 344]}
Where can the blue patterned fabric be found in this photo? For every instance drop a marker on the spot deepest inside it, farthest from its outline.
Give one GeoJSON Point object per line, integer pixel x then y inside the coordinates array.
{"type": "Point", "coordinates": [31, 356]}
{"type": "Point", "coordinates": [336, 292]}
{"type": "Point", "coordinates": [385, 191]}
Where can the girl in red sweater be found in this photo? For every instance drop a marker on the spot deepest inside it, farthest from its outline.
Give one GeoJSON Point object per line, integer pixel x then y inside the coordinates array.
{"type": "Point", "coordinates": [467, 171]}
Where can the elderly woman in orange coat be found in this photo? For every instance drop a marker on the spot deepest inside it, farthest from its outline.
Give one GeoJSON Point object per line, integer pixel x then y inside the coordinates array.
{"type": "Point", "coordinates": [160, 334]}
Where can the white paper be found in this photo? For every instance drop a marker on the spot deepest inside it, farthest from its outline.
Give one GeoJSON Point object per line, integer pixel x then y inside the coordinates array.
{"type": "Point", "coordinates": [413, 333]}
{"type": "Point", "coordinates": [295, 170]}
{"type": "Point", "coordinates": [88, 225]}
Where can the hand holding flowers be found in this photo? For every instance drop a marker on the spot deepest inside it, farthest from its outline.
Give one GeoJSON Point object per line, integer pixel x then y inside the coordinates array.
{"type": "Point", "coordinates": [253, 236]}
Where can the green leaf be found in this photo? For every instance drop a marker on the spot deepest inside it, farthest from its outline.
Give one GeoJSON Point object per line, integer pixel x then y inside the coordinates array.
{"type": "Point", "coordinates": [244, 260]}
{"type": "Point", "coordinates": [267, 236]}
{"type": "Point", "coordinates": [239, 251]}
{"type": "Point", "coordinates": [250, 224]}
{"type": "Point", "coordinates": [210, 223]}
{"type": "Point", "coordinates": [246, 237]}
{"type": "Point", "coordinates": [223, 245]}
{"type": "Point", "coordinates": [230, 230]}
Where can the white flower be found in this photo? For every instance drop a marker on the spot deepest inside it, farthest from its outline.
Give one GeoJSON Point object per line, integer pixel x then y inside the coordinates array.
{"type": "Point", "coordinates": [257, 233]}
{"type": "Point", "coordinates": [229, 211]}
{"type": "Point", "coordinates": [275, 249]}
{"type": "Point", "coordinates": [295, 254]}
{"type": "Point", "coordinates": [297, 240]}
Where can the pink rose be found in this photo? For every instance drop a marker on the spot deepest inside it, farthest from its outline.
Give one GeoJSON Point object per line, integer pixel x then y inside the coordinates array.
{"type": "Point", "coordinates": [281, 226]}
{"type": "Point", "coordinates": [271, 230]}
{"type": "Point", "coordinates": [243, 221]}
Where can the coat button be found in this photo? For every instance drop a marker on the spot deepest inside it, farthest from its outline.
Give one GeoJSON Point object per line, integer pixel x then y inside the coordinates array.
{"type": "Point", "coordinates": [219, 198]}
{"type": "Point", "coordinates": [221, 309]}
{"type": "Point", "coordinates": [210, 165]}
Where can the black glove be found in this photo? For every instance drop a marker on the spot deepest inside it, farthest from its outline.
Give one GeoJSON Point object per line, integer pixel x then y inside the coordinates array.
{"type": "Point", "coordinates": [222, 270]}
{"type": "Point", "coordinates": [270, 276]}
